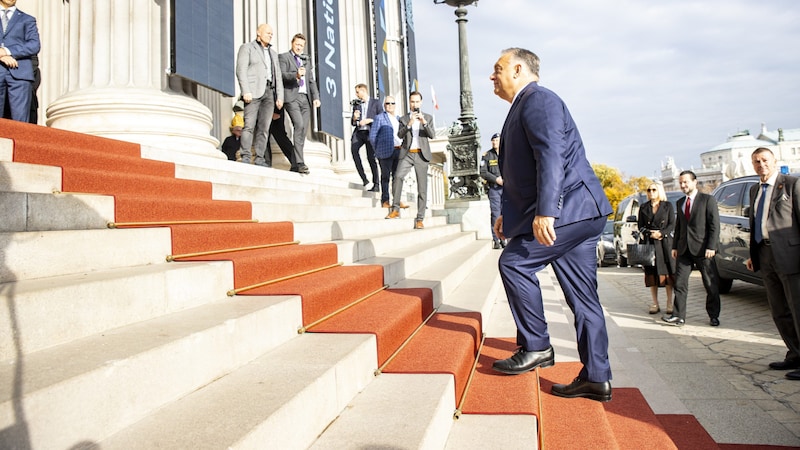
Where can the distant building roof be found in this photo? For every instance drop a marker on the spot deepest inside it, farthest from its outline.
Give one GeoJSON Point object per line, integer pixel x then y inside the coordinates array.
{"type": "Point", "coordinates": [741, 140]}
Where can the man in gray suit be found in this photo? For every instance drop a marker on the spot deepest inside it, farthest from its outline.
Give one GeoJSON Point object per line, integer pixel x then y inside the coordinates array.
{"type": "Point", "coordinates": [774, 250]}
{"type": "Point", "coordinates": [300, 91]}
{"type": "Point", "coordinates": [415, 128]}
{"type": "Point", "coordinates": [260, 80]}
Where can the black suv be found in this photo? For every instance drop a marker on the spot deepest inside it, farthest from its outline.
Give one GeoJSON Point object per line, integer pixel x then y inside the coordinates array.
{"type": "Point", "coordinates": [733, 200]}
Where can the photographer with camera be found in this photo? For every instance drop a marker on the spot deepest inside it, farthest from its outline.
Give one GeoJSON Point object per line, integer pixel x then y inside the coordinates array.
{"type": "Point", "coordinates": [365, 109]}
{"type": "Point", "coordinates": [415, 130]}
{"type": "Point", "coordinates": [300, 94]}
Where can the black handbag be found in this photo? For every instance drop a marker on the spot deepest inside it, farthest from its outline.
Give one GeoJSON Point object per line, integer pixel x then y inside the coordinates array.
{"type": "Point", "coordinates": [643, 254]}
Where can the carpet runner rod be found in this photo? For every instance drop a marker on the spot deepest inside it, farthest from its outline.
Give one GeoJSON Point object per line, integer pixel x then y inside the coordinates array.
{"type": "Point", "coordinates": [539, 430]}
{"type": "Point", "coordinates": [379, 370]}
{"type": "Point", "coordinates": [177, 222]}
{"type": "Point", "coordinates": [233, 292]}
{"type": "Point", "coordinates": [457, 412]}
{"type": "Point", "coordinates": [171, 258]}
{"type": "Point", "coordinates": [302, 330]}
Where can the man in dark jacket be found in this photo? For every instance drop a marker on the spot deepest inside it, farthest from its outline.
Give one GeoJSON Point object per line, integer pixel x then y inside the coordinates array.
{"type": "Point", "coordinates": [490, 171]}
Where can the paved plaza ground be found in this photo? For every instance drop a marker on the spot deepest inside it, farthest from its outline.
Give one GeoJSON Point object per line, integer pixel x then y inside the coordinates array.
{"type": "Point", "coordinates": [719, 374]}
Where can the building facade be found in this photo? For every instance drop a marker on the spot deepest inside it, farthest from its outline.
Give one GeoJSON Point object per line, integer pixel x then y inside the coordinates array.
{"type": "Point", "coordinates": [731, 159]}
{"type": "Point", "coordinates": [108, 68]}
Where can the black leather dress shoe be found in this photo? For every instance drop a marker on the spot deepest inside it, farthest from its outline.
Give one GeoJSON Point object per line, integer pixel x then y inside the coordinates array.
{"type": "Point", "coordinates": [523, 361]}
{"type": "Point", "coordinates": [793, 375]}
{"type": "Point", "coordinates": [303, 169]}
{"type": "Point", "coordinates": [673, 320]}
{"type": "Point", "coordinates": [784, 365]}
{"type": "Point", "coordinates": [714, 322]}
{"type": "Point", "coordinates": [496, 245]}
{"type": "Point", "coordinates": [600, 392]}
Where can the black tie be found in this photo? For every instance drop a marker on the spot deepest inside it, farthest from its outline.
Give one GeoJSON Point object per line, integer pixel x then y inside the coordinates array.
{"type": "Point", "coordinates": [759, 234]}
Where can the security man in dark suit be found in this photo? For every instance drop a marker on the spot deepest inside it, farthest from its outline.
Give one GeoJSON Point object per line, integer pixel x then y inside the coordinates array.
{"type": "Point", "coordinates": [365, 108]}
{"type": "Point", "coordinates": [695, 244]}
{"type": "Point", "coordinates": [554, 210]}
{"type": "Point", "coordinates": [774, 250]}
{"type": "Point", "coordinates": [490, 171]}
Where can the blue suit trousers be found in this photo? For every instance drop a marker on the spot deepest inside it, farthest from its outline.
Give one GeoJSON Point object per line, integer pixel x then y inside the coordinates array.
{"type": "Point", "coordinates": [574, 262]}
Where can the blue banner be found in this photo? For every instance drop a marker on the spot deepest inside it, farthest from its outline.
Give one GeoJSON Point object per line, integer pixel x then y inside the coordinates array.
{"type": "Point", "coordinates": [381, 50]}
{"type": "Point", "coordinates": [411, 49]}
{"type": "Point", "coordinates": [329, 64]}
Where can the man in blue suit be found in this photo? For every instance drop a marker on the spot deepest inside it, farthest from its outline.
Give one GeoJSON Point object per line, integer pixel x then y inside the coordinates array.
{"type": "Point", "coordinates": [553, 212]}
{"type": "Point", "coordinates": [19, 42]}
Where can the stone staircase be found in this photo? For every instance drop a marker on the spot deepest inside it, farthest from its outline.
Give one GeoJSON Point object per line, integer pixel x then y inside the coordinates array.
{"type": "Point", "coordinates": [105, 344]}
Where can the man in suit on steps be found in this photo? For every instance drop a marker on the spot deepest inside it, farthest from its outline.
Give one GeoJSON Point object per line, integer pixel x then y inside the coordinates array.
{"type": "Point", "coordinates": [695, 244]}
{"type": "Point", "coordinates": [774, 250]}
{"type": "Point", "coordinates": [553, 212]}
{"type": "Point", "coordinates": [19, 43]}
{"type": "Point", "coordinates": [261, 83]}
{"type": "Point", "coordinates": [301, 94]}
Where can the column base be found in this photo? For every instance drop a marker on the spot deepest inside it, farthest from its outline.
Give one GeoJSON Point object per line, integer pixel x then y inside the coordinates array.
{"type": "Point", "coordinates": [473, 215]}
{"type": "Point", "coordinates": [165, 120]}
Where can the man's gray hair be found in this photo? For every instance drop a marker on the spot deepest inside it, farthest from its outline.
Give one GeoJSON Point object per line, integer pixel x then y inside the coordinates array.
{"type": "Point", "coordinates": [526, 56]}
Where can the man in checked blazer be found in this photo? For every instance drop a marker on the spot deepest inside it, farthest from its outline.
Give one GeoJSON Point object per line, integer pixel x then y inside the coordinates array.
{"type": "Point", "coordinates": [695, 244]}
{"type": "Point", "coordinates": [261, 83]}
{"type": "Point", "coordinates": [19, 42]}
{"type": "Point", "coordinates": [775, 251]}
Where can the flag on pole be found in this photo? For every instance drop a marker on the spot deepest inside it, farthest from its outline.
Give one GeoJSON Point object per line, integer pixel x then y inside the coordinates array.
{"type": "Point", "coordinates": [433, 99]}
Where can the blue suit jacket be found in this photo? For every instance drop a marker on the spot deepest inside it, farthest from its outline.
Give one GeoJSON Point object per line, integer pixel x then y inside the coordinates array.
{"type": "Point", "coordinates": [22, 40]}
{"type": "Point", "coordinates": [544, 166]}
{"type": "Point", "coordinates": [381, 136]}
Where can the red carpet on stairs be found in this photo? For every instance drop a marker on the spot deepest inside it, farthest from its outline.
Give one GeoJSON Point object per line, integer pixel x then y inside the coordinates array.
{"type": "Point", "coordinates": [492, 392]}
{"type": "Point", "coordinates": [448, 343]}
{"type": "Point", "coordinates": [147, 191]}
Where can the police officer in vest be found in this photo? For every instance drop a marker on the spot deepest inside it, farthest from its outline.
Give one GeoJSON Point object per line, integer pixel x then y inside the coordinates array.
{"type": "Point", "coordinates": [490, 171]}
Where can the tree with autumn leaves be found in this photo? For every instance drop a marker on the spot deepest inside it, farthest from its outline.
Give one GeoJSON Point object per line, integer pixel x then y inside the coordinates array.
{"type": "Point", "coordinates": [615, 187]}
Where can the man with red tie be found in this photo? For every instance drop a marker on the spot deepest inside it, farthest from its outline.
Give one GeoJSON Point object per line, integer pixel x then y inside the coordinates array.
{"type": "Point", "coordinates": [695, 243]}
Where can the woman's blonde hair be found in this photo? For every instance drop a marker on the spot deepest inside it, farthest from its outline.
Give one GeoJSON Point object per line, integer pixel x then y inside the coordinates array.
{"type": "Point", "coordinates": [662, 195]}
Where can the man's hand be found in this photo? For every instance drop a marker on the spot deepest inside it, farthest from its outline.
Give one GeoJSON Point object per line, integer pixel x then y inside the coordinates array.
{"type": "Point", "coordinates": [279, 104]}
{"type": "Point", "coordinates": [499, 181]}
{"type": "Point", "coordinates": [301, 71]}
{"type": "Point", "coordinates": [749, 264]}
{"type": "Point", "coordinates": [674, 254]}
{"type": "Point", "coordinates": [247, 97]}
{"type": "Point", "coordinates": [498, 228]}
{"type": "Point", "coordinates": [9, 62]}
{"type": "Point", "coordinates": [710, 253]}
{"type": "Point", "coordinates": [543, 230]}
{"type": "Point", "coordinates": [316, 103]}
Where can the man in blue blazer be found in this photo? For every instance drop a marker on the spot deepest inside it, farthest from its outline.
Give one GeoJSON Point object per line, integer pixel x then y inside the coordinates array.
{"type": "Point", "coordinates": [553, 212]}
{"type": "Point", "coordinates": [19, 42]}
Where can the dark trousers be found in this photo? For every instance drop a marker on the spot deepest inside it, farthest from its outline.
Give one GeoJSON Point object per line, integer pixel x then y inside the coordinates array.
{"type": "Point", "coordinates": [17, 94]}
{"type": "Point", "coordinates": [783, 295]}
{"type": "Point", "coordinates": [574, 262]}
{"type": "Point", "coordinates": [299, 111]}
{"type": "Point", "coordinates": [360, 138]}
{"type": "Point", "coordinates": [277, 130]}
{"type": "Point", "coordinates": [495, 202]}
{"type": "Point", "coordinates": [257, 121]}
{"type": "Point", "coordinates": [708, 272]}
{"type": "Point", "coordinates": [388, 169]}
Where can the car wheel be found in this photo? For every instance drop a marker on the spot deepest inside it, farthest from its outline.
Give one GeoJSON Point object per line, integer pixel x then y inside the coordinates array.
{"type": "Point", "coordinates": [621, 260]}
{"type": "Point", "coordinates": [725, 285]}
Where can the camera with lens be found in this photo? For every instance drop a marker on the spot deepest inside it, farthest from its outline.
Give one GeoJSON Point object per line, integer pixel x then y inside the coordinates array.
{"type": "Point", "coordinates": [356, 103]}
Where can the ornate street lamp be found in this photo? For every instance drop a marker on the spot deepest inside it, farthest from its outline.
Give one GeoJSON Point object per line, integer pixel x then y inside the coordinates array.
{"type": "Point", "coordinates": [464, 137]}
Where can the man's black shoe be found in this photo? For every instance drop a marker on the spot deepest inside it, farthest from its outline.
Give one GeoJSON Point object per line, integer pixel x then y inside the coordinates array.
{"type": "Point", "coordinates": [303, 169]}
{"type": "Point", "coordinates": [600, 392]}
{"type": "Point", "coordinates": [523, 361]}
{"type": "Point", "coordinates": [784, 365]}
{"type": "Point", "coordinates": [714, 322]}
{"type": "Point", "coordinates": [496, 245]}
{"type": "Point", "coordinates": [503, 243]}
{"type": "Point", "coordinates": [375, 188]}
{"type": "Point", "coordinates": [673, 320]}
{"type": "Point", "coordinates": [793, 375]}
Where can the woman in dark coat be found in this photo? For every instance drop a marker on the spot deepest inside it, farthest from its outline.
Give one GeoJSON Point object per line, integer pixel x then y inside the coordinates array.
{"type": "Point", "coordinates": [657, 220]}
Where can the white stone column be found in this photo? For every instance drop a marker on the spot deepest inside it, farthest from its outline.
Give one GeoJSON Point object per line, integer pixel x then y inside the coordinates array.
{"type": "Point", "coordinates": [114, 57]}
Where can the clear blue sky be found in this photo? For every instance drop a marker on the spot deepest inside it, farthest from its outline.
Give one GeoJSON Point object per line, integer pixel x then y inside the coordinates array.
{"type": "Point", "coordinates": [643, 80]}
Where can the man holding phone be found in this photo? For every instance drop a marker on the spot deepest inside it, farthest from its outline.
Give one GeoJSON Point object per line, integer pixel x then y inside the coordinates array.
{"type": "Point", "coordinates": [414, 129]}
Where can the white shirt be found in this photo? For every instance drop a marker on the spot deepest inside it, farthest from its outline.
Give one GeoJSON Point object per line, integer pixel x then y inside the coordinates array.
{"type": "Point", "coordinates": [415, 134]}
{"type": "Point", "coordinates": [770, 183]}
{"type": "Point", "coordinates": [395, 126]}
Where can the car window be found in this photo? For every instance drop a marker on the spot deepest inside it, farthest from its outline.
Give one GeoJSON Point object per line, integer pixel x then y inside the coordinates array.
{"type": "Point", "coordinates": [729, 199]}
{"type": "Point", "coordinates": [609, 228]}
{"type": "Point", "coordinates": [621, 209]}
{"type": "Point", "coordinates": [746, 198]}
